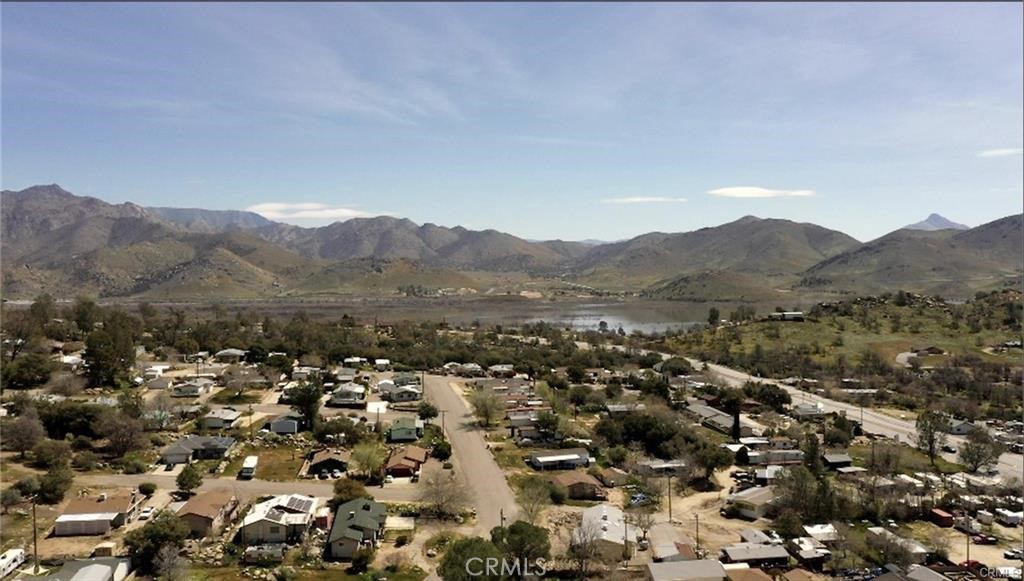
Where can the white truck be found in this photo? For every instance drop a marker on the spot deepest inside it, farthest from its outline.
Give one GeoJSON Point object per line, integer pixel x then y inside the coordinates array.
{"type": "Point", "coordinates": [249, 467]}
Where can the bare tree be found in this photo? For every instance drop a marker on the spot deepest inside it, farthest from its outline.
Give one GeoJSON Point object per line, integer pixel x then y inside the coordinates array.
{"type": "Point", "coordinates": [443, 493]}
{"type": "Point", "coordinates": [643, 519]}
{"type": "Point", "coordinates": [169, 565]}
{"type": "Point", "coordinates": [583, 546]}
{"type": "Point", "coordinates": [534, 497]}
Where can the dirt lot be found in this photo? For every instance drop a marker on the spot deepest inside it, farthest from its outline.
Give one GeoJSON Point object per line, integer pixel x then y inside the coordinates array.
{"type": "Point", "coordinates": [991, 555]}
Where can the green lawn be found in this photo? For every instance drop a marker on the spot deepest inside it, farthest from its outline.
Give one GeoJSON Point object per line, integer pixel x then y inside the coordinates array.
{"type": "Point", "coordinates": [229, 396]}
{"type": "Point", "coordinates": [911, 460]}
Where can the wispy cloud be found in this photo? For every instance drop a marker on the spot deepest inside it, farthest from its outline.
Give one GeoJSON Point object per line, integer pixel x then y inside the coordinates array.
{"type": "Point", "coordinates": [756, 192]}
{"type": "Point", "coordinates": [1004, 152]}
{"type": "Point", "coordinates": [566, 141]}
{"type": "Point", "coordinates": [643, 200]}
{"type": "Point", "coordinates": [286, 211]}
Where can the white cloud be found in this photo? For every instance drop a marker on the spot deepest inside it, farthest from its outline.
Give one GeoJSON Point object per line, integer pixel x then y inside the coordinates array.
{"type": "Point", "coordinates": [1005, 152]}
{"type": "Point", "coordinates": [286, 211]}
{"type": "Point", "coordinates": [756, 192]}
{"type": "Point", "coordinates": [642, 200]}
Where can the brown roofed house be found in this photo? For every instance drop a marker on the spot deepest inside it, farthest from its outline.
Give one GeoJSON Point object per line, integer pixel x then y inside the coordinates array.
{"type": "Point", "coordinates": [206, 512]}
{"type": "Point", "coordinates": [97, 515]}
{"type": "Point", "coordinates": [580, 485]}
{"type": "Point", "coordinates": [612, 477]}
{"type": "Point", "coordinates": [747, 575]}
{"type": "Point", "coordinates": [329, 460]}
{"type": "Point", "coordinates": [406, 461]}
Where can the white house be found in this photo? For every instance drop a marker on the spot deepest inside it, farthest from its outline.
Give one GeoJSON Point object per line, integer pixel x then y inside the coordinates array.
{"type": "Point", "coordinates": [607, 523]}
{"type": "Point", "coordinates": [222, 418]}
{"type": "Point", "coordinates": [278, 520]}
{"type": "Point", "coordinates": [382, 364]}
{"type": "Point", "coordinates": [405, 393]}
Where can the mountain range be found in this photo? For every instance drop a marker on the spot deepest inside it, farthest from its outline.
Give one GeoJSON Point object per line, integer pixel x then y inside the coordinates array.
{"type": "Point", "coordinates": [55, 241]}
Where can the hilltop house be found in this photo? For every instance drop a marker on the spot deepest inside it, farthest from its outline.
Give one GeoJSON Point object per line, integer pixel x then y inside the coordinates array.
{"type": "Point", "coordinates": [281, 519]}
{"type": "Point", "coordinates": [207, 512]}
{"type": "Point", "coordinates": [357, 523]}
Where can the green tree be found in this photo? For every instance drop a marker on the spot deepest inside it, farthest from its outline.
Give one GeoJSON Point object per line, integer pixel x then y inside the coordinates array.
{"type": "Point", "coordinates": [980, 450]}
{"type": "Point", "coordinates": [932, 427]}
{"type": "Point", "coordinates": [25, 432]}
{"type": "Point", "coordinates": [144, 544]}
{"type": "Point", "coordinates": [427, 411]}
{"type": "Point", "coordinates": [369, 458]}
{"type": "Point", "coordinates": [522, 542]}
{"type": "Point", "coordinates": [55, 484]}
{"type": "Point", "coordinates": [711, 457]}
{"type": "Point", "coordinates": [49, 453]}
{"type": "Point", "coordinates": [812, 453]}
{"type": "Point", "coordinates": [85, 313]}
{"type": "Point", "coordinates": [27, 371]}
{"type": "Point", "coordinates": [124, 434]}
{"type": "Point", "coordinates": [189, 479]}
{"type": "Point", "coordinates": [464, 561]}
{"type": "Point", "coordinates": [486, 406]}
{"type": "Point", "coordinates": [714, 316]}
{"type": "Point", "coordinates": [10, 497]}
{"type": "Point", "coordinates": [305, 399]}
{"type": "Point", "coordinates": [346, 489]}
{"type": "Point", "coordinates": [109, 354]}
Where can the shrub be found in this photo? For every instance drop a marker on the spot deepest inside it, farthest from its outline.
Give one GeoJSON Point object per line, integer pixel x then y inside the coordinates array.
{"type": "Point", "coordinates": [85, 460]}
{"type": "Point", "coordinates": [401, 540]}
{"type": "Point", "coordinates": [147, 488]}
{"type": "Point", "coordinates": [558, 495]}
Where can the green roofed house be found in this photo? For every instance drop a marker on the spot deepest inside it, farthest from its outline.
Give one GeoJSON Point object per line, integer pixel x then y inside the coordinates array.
{"type": "Point", "coordinates": [405, 429]}
{"type": "Point", "coordinates": [358, 522]}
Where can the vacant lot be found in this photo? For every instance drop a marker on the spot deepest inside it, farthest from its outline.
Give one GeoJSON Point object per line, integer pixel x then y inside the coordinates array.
{"type": "Point", "coordinates": [911, 460]}
{"type": "Point", "coordinates": [280, 464]}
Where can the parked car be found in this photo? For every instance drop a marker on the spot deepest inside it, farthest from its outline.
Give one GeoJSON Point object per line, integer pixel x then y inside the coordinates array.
{"type": "Point", "coordinates": [984, 540]}
{"type": "Point", "coordinates": [949, 449]}
{"type": "Point", "coordinates": [336, 473]}
{"type": "Point", "coordinates": [389, 478]}
{"type": "Point", "coordinates": [324, 475]}
{"type": "Point", "coordinates": [1014, 554]}
{"type": "Point", "coordinates": [146, 513]}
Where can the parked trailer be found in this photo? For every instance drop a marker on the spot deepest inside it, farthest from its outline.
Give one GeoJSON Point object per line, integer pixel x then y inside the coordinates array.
{"type": "Point", "coordinates": [249, 467]}
{"type": "Point", "coordinates": [1009, 518]}
{"type": "Point", "coordinates": [10, 560]}
{"type": "Point", "coordinates": [941, 518]}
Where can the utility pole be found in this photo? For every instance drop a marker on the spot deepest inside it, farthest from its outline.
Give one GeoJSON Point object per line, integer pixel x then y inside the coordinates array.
{"type": "Point", "coordinates": [696, 518]}
{"type": "Point", "coordinates": [968, 535]}
{"type": "Point", "coordinates": [442, 412]}
{"type": "Point", "coordinates": [35, 540]}
{"type": "Point", "coordinates": [501, 515]}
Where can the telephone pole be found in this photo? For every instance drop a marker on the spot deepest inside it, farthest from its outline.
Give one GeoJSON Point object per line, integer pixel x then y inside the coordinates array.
{"type": "Point", "coordinates": [696, 518]}
{"type": "Point", "coordinates": [442, 412]}
{"type": "Point", "coordinates": [669, 499]}
{"type": "Point", "coordinates": [35, 540]}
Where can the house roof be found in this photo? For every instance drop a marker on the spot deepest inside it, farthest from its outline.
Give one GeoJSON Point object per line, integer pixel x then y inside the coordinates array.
{"type": "Point", "coordinates": [686, 570]}
{"type": "Point", "coordinates": [747, 575]}
{"type": "Point", "coordinates": [355, 516]}
{"type": "Point", "coordinates": [757, 495]}
{"type": "Point", "coordinates": [207, 504]}
{"type": "Point", "coordinates": [406, 422]}
{"type": "Point", "coordinates": [284, 509]}
{"type": "Point", "coordinates": [224, 414]}
{"type": "Point", "coordinates": [799, 575]}
{"type": "Point", "coordinates": [575, 477]}
{"type": "Point", "coordinates": [838, 457]}
{"type": "Point", "coordinates": [754, 552]}
{"type": "Point", "coordinates": [118, 502]}
{"type": "Point", "coordinates": [328, 454]}
{"type": "Point", "coordinates": [189, 444]}
{"type": "Point", "coordinates": [95, 569]}
{"type": "Point", "coordinates": [560, 455]}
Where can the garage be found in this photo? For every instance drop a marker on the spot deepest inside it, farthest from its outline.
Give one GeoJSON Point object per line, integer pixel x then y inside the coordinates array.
{"type": "Point", "coordinates": [97, 523]}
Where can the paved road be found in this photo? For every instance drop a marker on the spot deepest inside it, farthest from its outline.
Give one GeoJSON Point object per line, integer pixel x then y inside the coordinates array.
{"type": "Point", "coordinates": [490, 490]}
{"type": "Point", "coordinates": [1010, 465]}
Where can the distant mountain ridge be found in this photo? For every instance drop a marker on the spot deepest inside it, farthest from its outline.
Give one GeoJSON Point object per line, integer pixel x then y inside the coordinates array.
{"type": "Point", "coordinates": [936, 222]}
{"type": "Point", "coordinates": [56, 241]}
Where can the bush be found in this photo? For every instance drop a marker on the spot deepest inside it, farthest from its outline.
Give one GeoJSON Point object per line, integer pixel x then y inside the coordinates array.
{"type": "Point", "coordinates": [147, 488]}
{"type": "Point", "coordinates": [442, 451]}
{"type": "Point", "coordinates": [157, 440]}
{"type": "Point", "coordinates": [402, 540]}
{"type": "Point", "coordinates": [81, 443]}
{"type": "Point", "coordinates": [85, 461]}
{"type": "Point", "coordinates": [133, 464]}
{"type": "Point", "coordinates": [558, 495]}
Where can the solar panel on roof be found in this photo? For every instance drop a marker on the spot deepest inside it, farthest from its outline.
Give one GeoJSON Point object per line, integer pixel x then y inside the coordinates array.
{"type": "Point", "coordinates": [299, 504]}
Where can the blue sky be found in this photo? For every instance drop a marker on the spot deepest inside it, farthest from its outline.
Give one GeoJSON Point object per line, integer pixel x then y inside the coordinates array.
{"type": "Point", "coordinates": [544, 120]}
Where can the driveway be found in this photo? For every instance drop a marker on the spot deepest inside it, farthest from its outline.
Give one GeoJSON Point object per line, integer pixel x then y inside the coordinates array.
{"type": "Point", "coordinates": [490, 490]}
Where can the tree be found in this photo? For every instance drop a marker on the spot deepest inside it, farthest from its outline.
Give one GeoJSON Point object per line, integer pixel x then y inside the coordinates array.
{"type": "Point", "coordinates": [443, 493]}
{"type": "Point", "coordinates": [980, 450]}
{"type": "Point", "coordinates": [583, 546]}
{"type": "Point", "coordinates": [144, 544]}
{"type": "Point", "coordinates": [27, 371]}
{"type": "Point", "coordinates": [109, 354]}
{"type": "Point", "coordinates": [711, 458]}
{"type": "Point", "coordinates": [25, 432]}
{"type": "Point", "coordinates": [732, 402]}
{"type": "Point", "coordinates": [368, 457]}
{"type": "Point", "coordinates": [427, 411]}
{"type": "Point", "coordinates": [643, 519]}
{"type": "Point", "coordinates": [465, 560]}
{"type": "Point", "coordinates": [10, 497]}
{"type": "Point", "coordinates": [147, 488]}
{"type": "Point", "coordinates": [346, 489]}
{"type": "Point", "coordinates": [442, 450]}
{"type": "Point", "coordinates": [125, 434]}
{"type": "Point", "coordinates": [486, 406]}
{"type": "Point", "coordinates": [55, 484]}
{"type": "Point", "coordinates": [305, 400]}
{"type": "Point", "coordinates": [547, 424]}
{"type": "Point", "coordinates": [85, 313]}
{"type": "Point", "coordinates": [522, 542]}
{"type": "Point", "coordinates": [50, 453]}
{"type": "Point", "coordinates": [169, 565]}
{"type": "Point", "coordinates": [534, 497]}
{"type": "Point", "coordinates": [932, 427]}
{"type": "Point", "coordinates": [189, 479]}
{"type": "Point", "coordinates": [714, 316]}
{"type": "Point", "coordinates": [131, 403]}
{"type": "Point", "coordinates": [812, 453]}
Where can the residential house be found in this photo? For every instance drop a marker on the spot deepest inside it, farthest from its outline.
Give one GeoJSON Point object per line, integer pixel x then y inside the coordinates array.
{"type": "Point", "coordinates": [281, 519]}
{"type": "Point", "coordinates": [305, 373]}
{"type": "Point", "coordinates": [405, 378]}
{"type": "Point", "coordinates": [154, 371]}
{"type": "Point", "coordinates": [786, 316]}
{"type": "Point", "coordinates": [917, 552]}
{"type": "Point", "coordinates": [348, 395]}
{"type": "Point", "coordinates": [192, 388]}
{"type": "Point", "coordinates": [698, 570]}
{"type": "Point", "coordinates": [612, 477]}
{"type": "Point", "coordinates": [405, 429]}
{"type": "Point", "coordinates": [835, 460]}
{"type": "Point", "coordinates": [660, 467]}
{"type": "Point", "coordinates": [621, 409]}
{"type": "Point", "coordinates": [722, 422]}
{"type": "Point", "coordinates": [962, 427]}
{"type": "Point", "coordinates": [771, 457]}
{"type": "Point", "coordinates": [580, 485]}
{"type": "Point", "coordinates": [207, 512]}
{"type": "Point", "coordinates": [406, 461]}
{"type": "Point", "coordinates": [382, 364]}
{"type": "Point", "coordinates": [810, 552]}
{"type": "Point", "coordinates": [162, 382]}
{"type": "Point", "coordinates": [221, 419]}
{"type": "Point", "coordinates": [357, 523]}
{"type": "Point", "coordinates": [824, 533]}
{"type": "Point", "coordinates": [502, 370]}
{"type": "Point", "coordinates": [747, 574]}
{"type": "Point", "coordinates": [471, 370]}
{"type": "Point", "coordinates": [607, 523]}
{"type": "Point", "coordinates": [287, 423]}
{"type": "Point", "coordinates": [560, 459]}
{"type": "Point", "coordinates": [767, 475]}
{"type": "Point", "coordinates": [756, 555]}
{"type": "Point", "coordinates": [196, 448]}
{"type": "Point", "coordinates": [94, 569]}
{"type": "Point", "coordinates": [353, 362]}
{"type": "Point", "coordinates": [97, 516]}
{"type": "Point", "coordinates": [753, 503]}
{"type": "Point", "coordinates": [346, 374]}
{"type": "Point", "coordinates": [807, 411]}
{"type": "Point", "coordinates": [668, 545]}
{"type": "Point", "coordinates": [329, 460]}
{"type": "Point", "coordinates": [229, 355]}
{"type": "Point", "coordinates": [402, 393]}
